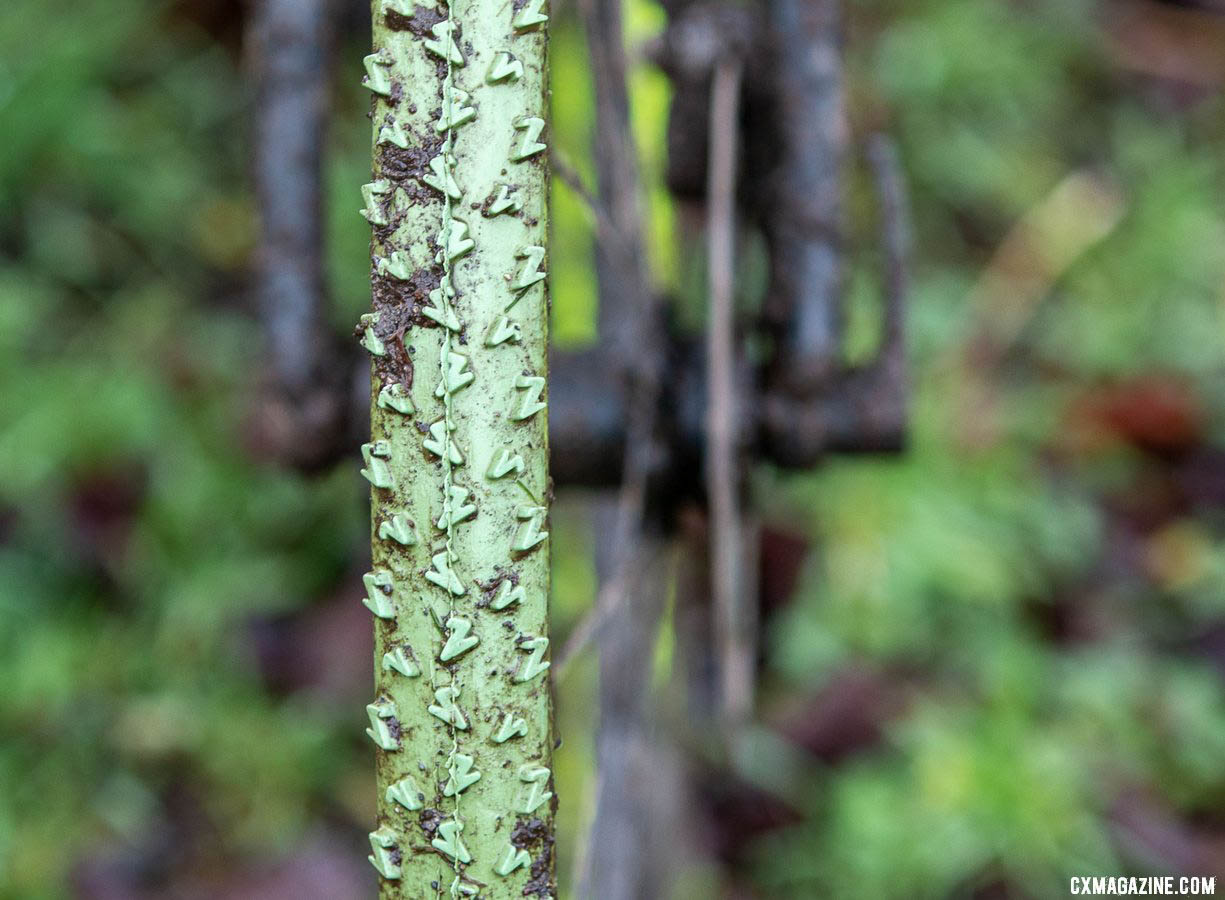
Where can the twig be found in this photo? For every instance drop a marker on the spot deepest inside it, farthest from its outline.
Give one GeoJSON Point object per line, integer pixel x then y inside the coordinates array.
{"type": "Point", "coordinates": [290, 43]}
{"type": "Point", "coordinates": [804, 226]}
{"type": "Point", "coordinates": [627, 314]}
{"type": "Point", "coordinates": [625, 837]}
{"type": "Point", "coordinates": [1081, 211]}
{"type": "Point", "coordinates": [571, 178]}
{"type": "Point", "coordinates": [895, 238]}
{"type": "Point", "coordinates": [722, 444]}
{"type": "Point", "coordinates": [627, 323]}
{"type": "Point", "coordinates": [586, 629]}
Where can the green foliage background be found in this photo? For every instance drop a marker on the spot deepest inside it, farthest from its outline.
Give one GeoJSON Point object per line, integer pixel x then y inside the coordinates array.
{"type": "Point", "coordinates": [1038, 583]}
